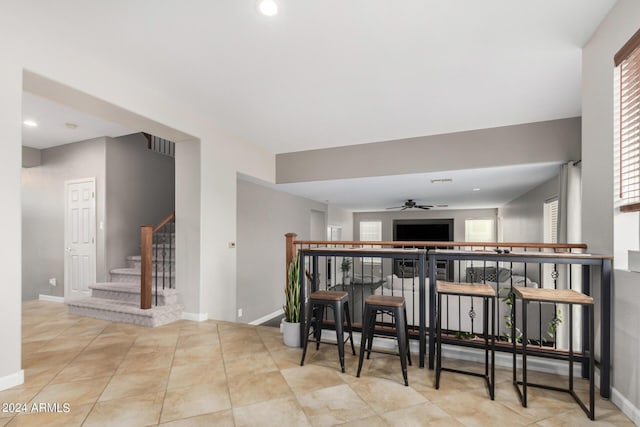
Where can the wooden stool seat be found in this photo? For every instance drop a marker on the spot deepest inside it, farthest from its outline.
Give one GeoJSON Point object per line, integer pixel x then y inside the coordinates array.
{"type": "Point", "coordinates": [555, 296]}
{"type": "Point", "coordinates": [487, 293]}
{"type": "Point", "coordinates": [328, 295]}
{"type": "Point", "coordinates": [386, 300]}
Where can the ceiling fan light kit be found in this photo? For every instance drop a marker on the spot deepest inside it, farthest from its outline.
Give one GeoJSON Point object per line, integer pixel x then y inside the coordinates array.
{"type": "Point", "coordinates": [411, 204]}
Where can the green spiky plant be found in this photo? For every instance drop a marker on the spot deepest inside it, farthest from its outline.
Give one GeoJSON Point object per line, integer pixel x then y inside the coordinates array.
{"type": "Point", "coordinates": [508, 299]}
{"type": "Point", "coordinates": [554, 324]}
{"type": "Point", "coordinates": [292, 292]}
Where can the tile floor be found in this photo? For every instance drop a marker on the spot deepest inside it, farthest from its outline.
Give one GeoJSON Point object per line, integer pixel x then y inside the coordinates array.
{"type": "Point", "coordinates": [220, 373]}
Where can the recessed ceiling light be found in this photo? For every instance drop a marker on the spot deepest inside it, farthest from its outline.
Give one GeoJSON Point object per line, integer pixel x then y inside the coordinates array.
{"type": "Point", "coordinates": [476, 189]}
{"type": "Point", "coordinates": [441, 180]}
{"type": "Point", "coordinates": [30, 123]}
{"type": "Point", "coordinates": [267, 7]}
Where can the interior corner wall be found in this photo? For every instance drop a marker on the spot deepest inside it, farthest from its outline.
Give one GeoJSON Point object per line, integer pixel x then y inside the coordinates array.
{"type": "Point", "coordinates": [187, 164]}
{"type": "Point", "coordinates": [341, 218]}
{"type": "Point", "coordinates": [140, 190]}
{"type": "Point", "coordinates": [522, 219]}
{"type": "Point", "coordinates": [11, 373]}
{"type": "Point", "coordinates": [264, 217]}
{"type": "Point", "coordinates": [43, 214]}
{"type": "Point", "coordinates": [31, 157]}
{"type": "Point", "coordinates": [597, 195]}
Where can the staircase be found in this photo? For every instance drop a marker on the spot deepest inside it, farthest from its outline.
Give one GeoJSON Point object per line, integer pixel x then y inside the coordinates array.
{"type": "Point", "coordinates": [119, 300]}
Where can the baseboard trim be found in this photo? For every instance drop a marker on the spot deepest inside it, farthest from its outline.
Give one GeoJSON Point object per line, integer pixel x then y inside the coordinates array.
{"type": "Point", "coordinates": [12, 380]}
{"type": "Point", "coordinates": [196, 317]}
{"type": "Point", "coordinates": [627, 408]}
{"type": "Point", "coordinates": [50, 298]}
{"type": "Point", "coordinates": [266, 318]}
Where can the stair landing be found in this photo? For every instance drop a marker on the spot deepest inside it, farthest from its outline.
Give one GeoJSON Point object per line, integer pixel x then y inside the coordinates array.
{"type": "Point", "coordinates": [124, 311]}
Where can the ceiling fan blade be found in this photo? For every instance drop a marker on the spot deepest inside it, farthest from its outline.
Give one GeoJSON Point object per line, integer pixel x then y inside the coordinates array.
{"type": "Point", "coordinates": [426, 208]}
{"type": "Point", "coordinates": [403, 208]}
{"type": "Point", "coordinates": [395, 207]}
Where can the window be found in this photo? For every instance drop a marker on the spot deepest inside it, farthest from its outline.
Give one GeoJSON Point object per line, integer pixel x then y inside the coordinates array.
{"type": "Point", "coordinates": [479, 230]}
{"type": "Point", "coordinates": [371, 231]}
{"type": "Point", "coordinates": [627, 125]}
{"type": "Point", "coordinates": [551, 221]}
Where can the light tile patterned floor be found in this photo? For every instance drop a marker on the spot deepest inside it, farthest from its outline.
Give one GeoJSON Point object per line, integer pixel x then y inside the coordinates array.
{"type": "Point", "coordinates": [227, 374]}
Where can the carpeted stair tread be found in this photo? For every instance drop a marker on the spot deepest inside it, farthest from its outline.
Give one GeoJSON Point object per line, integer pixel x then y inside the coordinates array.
{"type": "Point", "coordinates": [130, 288]}
{"type": "Point", "coordinates": [123, 311]}
{"type": "Point", "coordinates": [137, 272]}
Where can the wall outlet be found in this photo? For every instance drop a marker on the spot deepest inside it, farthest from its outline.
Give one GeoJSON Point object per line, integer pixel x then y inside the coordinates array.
{"type": "Point", "coordinates": [53, 281]}
{"type": "Point", "coordinates": [232, 245]}
{"type": "Point", "coordinates": [239, 312]}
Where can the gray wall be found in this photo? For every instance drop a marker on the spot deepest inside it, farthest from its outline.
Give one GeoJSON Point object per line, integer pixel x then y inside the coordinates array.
{"type": "Point", "coordinates": [341, 218]}
{"type": "Point", "coordinates": [43, 213]}
{"type": "Point", "coordinates": [188, 266]}
{"type": "Point", "coordinates": [140, 190]}
{"type": "Point", "coordinates": [31, 157]}
{"type": "Point", "coordinates": [133, 187]}
{"type": "Point", "coordinates": [522, 219]}
{"type": "Point", "coordinates": [264, 217]}
{"type": "Point", "coordinates": [551, 141]}
{"type": "Point", "coordinates": [597, 198]}
{"type": "Point", "coordinates": [458, 216]}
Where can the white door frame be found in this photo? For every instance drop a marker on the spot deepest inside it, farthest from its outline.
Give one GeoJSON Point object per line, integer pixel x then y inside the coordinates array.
{"type": "Point", "coordinates": [93, 250]}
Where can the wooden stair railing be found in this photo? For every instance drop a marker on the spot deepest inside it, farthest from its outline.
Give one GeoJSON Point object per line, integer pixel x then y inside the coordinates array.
{"type": "Point", "coordinates": [146, 267]}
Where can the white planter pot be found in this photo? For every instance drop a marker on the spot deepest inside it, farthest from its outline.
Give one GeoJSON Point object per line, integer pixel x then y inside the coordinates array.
{"type": "Point", "coordinates": [291, 334]}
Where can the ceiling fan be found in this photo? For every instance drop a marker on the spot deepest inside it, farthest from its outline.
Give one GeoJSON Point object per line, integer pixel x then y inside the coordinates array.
{"type": "Point", "coordinates": [411, 204]}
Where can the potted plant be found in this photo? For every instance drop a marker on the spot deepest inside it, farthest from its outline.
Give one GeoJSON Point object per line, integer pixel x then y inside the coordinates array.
{"type": "Point", "coordinates": [291, 321]}
{"type": "Point", "coordinates": [345, 267]}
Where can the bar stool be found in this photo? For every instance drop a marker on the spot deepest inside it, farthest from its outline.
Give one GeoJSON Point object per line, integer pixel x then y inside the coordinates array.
{"type": "Point", "coordinates": [557, 296]}
{"type": "Point", "coordinates": [339, 302]}
{"type": "Point", "coordinates": [396, 307]}
{"type": "Point", "coordinates": [486, 292]}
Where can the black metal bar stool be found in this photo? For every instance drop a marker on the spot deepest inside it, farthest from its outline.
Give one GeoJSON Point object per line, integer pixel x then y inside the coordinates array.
{"type": "Point", "coordinates": [486, 292]}
{"type": "Point", "coordinates": [339, 302]}
{"type": "Point", "coordinates": [396, 307]}
{"type": "Point", "coordinates": [556, 296]}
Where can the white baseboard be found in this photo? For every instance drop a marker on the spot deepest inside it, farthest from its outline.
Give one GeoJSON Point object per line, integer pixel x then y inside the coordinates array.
{"type": "Point", "coordinates": [12, 380]}
{"type": "Point", "coordinates": [266, 318]}
{"type": "Point", "coordinates": [196, 317]}
{"type": "Point", "coordinates": [627, 408]}
{"type": "Point", "coordinates": [50, 298]}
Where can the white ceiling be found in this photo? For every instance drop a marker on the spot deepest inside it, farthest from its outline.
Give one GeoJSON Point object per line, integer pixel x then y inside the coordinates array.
{"type": "Point", "coordinates": [52, 119]}
{"type": "Point", "coordinates": [497, 186]}
{"type": "Point", "coordinates": [332, 72]}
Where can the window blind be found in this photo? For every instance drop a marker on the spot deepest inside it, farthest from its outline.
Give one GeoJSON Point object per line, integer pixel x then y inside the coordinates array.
{"type": "Point", "coordinates": [627, 61]}
{"type": "Point", "coordinates": [371, 231]}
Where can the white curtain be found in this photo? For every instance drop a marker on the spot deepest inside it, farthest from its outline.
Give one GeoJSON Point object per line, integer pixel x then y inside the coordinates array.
{"type": "Point", "coordinates": [570, 203]}
{"type": "Point", "coordinates": [569, 225]}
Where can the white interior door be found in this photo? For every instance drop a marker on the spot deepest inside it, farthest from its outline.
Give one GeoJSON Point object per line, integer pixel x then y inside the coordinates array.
{"type": "Point", "coordinates": [79, 237]}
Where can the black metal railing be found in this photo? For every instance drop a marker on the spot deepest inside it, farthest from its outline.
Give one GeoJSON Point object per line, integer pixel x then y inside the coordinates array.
{"type": "Point", "coordinates": [157, 260]}
{"type": "Point", "coordinates": [164, 257]}
{"type": "Point", "coordinates": [369, 274]}
{"type": "Point", "coordinates": [160, 145]}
